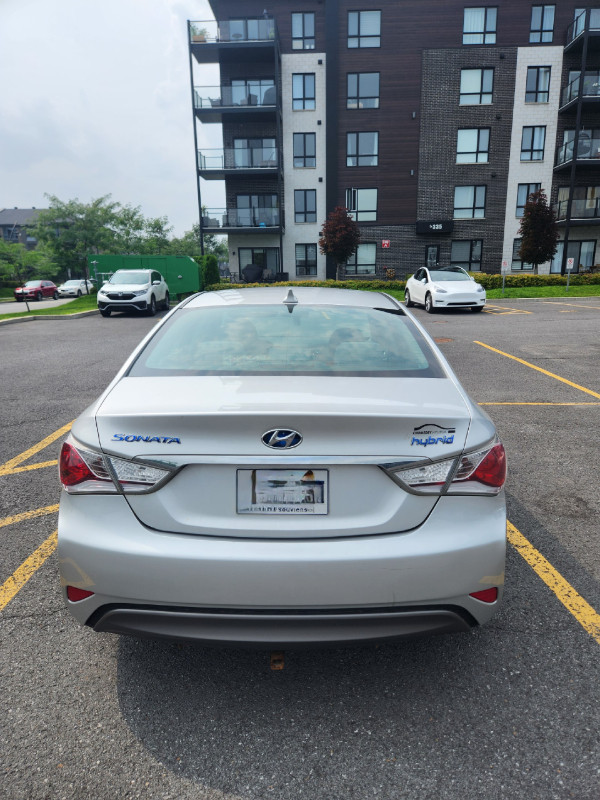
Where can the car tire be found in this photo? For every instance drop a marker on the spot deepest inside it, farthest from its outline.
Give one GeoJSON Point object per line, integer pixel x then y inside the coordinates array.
{"type": "Point", "coordinates": [55, 296]}
{"type": "Point", "coordinates": [39, 297]}
{"type": "Point", "coordinates": [429, 307]}
{"type": "Point", "coordinates": [79, 293]}
{"type": "Point", "coordinates": [152, 307]}
{"type": "Point", "coordinates": [476, 308]}
{"type": "Point", "coordinates": [407, 300]}
{"type": "Point", "coordinates": [105, 312]}
{"type": "Point", "coordinates": [167, 302]}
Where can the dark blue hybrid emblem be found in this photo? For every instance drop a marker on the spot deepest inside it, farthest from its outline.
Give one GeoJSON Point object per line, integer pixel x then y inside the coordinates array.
{"type": "Point", "coordinates": [281, 439]}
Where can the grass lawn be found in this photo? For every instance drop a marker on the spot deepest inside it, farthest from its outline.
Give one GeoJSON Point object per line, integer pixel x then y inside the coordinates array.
{"type": "Point", "coordinates": [532, 291]}
{"type": "Point", "coordinates": [85, 303]}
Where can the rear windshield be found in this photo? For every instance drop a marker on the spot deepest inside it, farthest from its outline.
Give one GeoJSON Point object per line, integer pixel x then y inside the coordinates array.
{"type": "Point", "coordinates": [448, 275]}
{"type": "Point", "coordinates": [130, 277]}
{"type": "Point", "coordinates": [269, 340]}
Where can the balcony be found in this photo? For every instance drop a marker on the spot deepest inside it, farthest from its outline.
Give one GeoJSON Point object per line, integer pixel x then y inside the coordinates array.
{"type": "Point", "coordinates": [250, 99]}
{"type": "Point", "coordinates": [238, 220]}
{"type": "Point", "coordinates": [588, 153]}
{"type": "Point", "coordinates": [225, 40]}
{"type": "Point", "coordinates": [588, 20]}
{"type": "Point", "coordinates": [583, 211]}
{"type": "Point", "coordinates": [217, 164]}
{"type": "Point", "coordinates": [588, 88]}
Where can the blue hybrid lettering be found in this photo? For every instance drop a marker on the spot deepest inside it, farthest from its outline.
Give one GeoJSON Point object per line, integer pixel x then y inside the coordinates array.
{"type": "Point", "coordinates": [130, 437]}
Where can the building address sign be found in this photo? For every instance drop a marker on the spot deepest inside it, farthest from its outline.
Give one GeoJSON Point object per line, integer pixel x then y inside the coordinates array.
{"type": "Point", "coordinates": [435, 226]}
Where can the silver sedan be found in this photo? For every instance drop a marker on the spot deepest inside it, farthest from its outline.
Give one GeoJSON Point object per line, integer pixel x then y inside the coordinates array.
{"type": "Point", "coordinates": [281, 468]}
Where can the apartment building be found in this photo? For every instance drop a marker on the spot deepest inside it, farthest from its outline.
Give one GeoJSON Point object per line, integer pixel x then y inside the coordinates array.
{"type": "Point", "coordinates": [430, 120]}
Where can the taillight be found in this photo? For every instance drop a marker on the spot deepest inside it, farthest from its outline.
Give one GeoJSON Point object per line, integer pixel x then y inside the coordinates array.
{"type": "Point", "coordinates": [486, 595]}
{"type": "Point", "coordinates": [75, 595]}
{"type": "Point", "coordinates": [482, 472]}
{"type": "Point", "coordinates": [83, 470]}
{"type": "Point", "coordinates": [479, 472]}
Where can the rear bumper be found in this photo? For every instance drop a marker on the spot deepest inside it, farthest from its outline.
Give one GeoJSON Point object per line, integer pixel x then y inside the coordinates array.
{"type": "Point", "coordinates": [277, 592]}
{"type": "Point", "coordinates": [283, 630]}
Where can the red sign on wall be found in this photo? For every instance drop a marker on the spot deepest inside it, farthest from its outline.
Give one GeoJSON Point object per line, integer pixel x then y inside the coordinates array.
{"type": "Point", "coordinates": [385, 243]}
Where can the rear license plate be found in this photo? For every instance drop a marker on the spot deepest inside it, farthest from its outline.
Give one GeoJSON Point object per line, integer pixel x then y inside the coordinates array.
{"type": "Point", "coordinates": [291, 492]}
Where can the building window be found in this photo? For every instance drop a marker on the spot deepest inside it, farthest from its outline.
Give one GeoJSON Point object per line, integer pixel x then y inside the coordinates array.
{"type": "Point", "coordinates": [252, 92]}
{"type": "Point", "coordinates": [523, 192]}
{"type": "Point", "coordinates": [537, 88]}
{"type": "Point", "coordinates": [265, 257]}
{"type": "Point", "coordinates": [249, 153]}
{"type": "Point", "coordinates": [305, 150]}
{"type": "Point", "coordinates": [480, 25]}
{"type": "Point", "coordinates": [363, 261]}
{"type": "Point", "coordinates": [469, 202]}
{"type": "Point", "coordinates": [363, 90]}
{"type": "Point", "coordinates": [364, 28]}
{"type": "Point", "coordinates": [306, 259]}
{"type": "Point", "coordinates": [583, 254]}
{"type": "Point", "coordinates": [305, 205]}
{"type": "Point", "coordinates": [542, 24]}
{"type": "Point", "coordinates": [517, 262]}
{"type": "Point", "coordinates": [532, 142]}
{"type": "Point", "coordinates": [303, 91]}
{"type": "Point", "coordinates": [476, 87]}
{"type": "Point", "coordinates": [466, 254]}
{"type": "Point", "coordinates": [362, 204]}
{"type": "Point", "coordinates": [585, 203]}
{"type": "Point", "coordinates": [473, 146]}
{"type": "Point", "coordinates": [362, 149]}
{"type": "Point", "coordinates": [303, 31]}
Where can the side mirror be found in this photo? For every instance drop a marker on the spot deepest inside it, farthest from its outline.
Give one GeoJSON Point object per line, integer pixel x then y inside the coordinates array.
{"type": "Point", "coordinates": [155, 283]}
{"type": "Point", "coordinates": [423, 280]}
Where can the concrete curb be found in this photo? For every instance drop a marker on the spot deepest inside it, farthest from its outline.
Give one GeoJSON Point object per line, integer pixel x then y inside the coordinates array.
{"type": "Point", "coordinates": [50, 318]}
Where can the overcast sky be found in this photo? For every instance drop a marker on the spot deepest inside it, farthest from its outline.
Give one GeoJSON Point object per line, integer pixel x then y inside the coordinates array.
{"type": "Point", "coordinates": [96, 100]}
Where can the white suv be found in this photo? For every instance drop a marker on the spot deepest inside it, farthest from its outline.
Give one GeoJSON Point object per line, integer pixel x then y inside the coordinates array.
{"type": "Point", "coordinates": [134, 290]}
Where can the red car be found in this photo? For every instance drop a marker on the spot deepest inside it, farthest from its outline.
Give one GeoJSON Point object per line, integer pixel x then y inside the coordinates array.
{"type": "Point", "coordinates": [36, 290]}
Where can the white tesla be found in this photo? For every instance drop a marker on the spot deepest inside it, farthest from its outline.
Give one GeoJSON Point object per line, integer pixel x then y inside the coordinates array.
{"type": "Point", "coordinates": [445, 287]}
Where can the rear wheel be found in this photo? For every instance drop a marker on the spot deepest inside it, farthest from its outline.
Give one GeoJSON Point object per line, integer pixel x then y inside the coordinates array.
{"type": "Point", "coordinates": [429, 307]}
{"type": "Point", "coordinates": [105, 312]}
{"type": "Point", "coordinates": [167, 302]}
{"type": "Point", "coordinates": [152, 307]}
{"type": "Point", "coordinates": [476, 308]}
{"type": "Point", "coordinates": [407, 300]}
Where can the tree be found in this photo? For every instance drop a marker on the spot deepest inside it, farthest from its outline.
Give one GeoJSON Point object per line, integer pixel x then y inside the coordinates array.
{"type": "Point", "coordinates": [211, 270]}
{"type": "Point", "coordinates": [340, 237]}
{"type": "Point", "coordinates": [538, 231]}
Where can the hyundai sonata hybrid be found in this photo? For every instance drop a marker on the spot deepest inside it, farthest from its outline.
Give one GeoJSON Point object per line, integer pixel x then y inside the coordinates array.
{"type": "Point", "coordinates": [280, 467]}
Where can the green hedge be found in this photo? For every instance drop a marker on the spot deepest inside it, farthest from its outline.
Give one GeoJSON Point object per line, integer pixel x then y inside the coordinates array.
{"type": "Point", "coordinates": [486, 280]}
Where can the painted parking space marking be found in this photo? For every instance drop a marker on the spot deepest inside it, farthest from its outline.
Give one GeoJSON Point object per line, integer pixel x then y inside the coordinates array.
{"type": "Point", "coordinates": [13, 585]}
{"type": "Point", "coordinates": [493, 309]}
{"type": "Point", "coordinates": [38, 512]}
{"type": "Point", "coordinates": [583, 612]}
{"type": "Point", "coordinates": [537, 404]}
{"type": "Point", "coordinates": [12, 466]}
{"type": "Point", "coordinates": [575, 305]}
{"type": "Point", "coordinates": [539, 369]}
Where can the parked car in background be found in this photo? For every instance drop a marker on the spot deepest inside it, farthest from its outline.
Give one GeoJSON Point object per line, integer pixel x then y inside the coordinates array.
{"type": "Point", "coordinates": [36, 290]}
{"type": "Point", "coordinates": [444, 287]}
{"type": "Point", "coordinates": [277, 468]}
{"type": "Point", "coordinates": [133, 290]}
{"type": "Point", "coordinates": [75, 288]}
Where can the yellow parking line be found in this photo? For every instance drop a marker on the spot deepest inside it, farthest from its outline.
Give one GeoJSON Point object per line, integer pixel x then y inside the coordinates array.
{"type": "Point", "coordinates": [539, 369]}
{"type": "Point", "coordinates": [8, 467]}
{"type": "Point", "coordinates": [38, 512]}
{"type": "Point", "coordinates": [576, 305]}
{"type": "Point", "coordinates": [583, 612]}
{"type": "Point", "coordinates": [29, 467]}
{"type": "Point", "coordinates": [506, 309]}
{"type": "Point", "coordinates": [538, 404]}
{"type": "Point", "coordinates": [13, 585]}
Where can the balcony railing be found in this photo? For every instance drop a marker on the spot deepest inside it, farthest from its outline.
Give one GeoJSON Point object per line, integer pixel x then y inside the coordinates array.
{"type": "Point", "coordinates": [587, 150]}
{"type": "Point", "coordinates": [252, 93]}
{"type": "Point", "coordinates": [578, 26]}
{"type": "Point", "coordinates": [240, 218]}
{"type": "Point", "coordinates": [232, 30]}
{"type": "Point", "coordinates": [589, 87]}
{"type": "Point", "coordinates": [580, 209]}
{"type": "Point", "coordinates": [238, 158]}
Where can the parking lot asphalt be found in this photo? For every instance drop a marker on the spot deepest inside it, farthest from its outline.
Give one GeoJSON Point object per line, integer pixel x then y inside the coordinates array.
{"type": "Point", "coordinates": [508, 710]}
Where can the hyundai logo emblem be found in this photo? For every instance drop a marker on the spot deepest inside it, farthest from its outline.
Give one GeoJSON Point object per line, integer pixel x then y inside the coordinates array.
{"type": "Point", "coordinates": [281, 439]}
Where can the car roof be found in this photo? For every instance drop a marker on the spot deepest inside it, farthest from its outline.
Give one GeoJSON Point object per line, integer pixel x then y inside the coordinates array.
{"type": "Point", "coordinates": [308, 295]}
